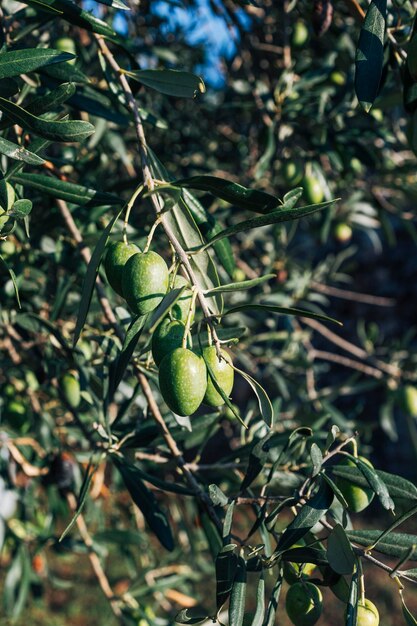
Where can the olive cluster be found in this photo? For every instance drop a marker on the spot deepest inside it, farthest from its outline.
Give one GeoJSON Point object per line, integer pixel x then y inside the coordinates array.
{"type": "Point", "coordinates": [142, 279]}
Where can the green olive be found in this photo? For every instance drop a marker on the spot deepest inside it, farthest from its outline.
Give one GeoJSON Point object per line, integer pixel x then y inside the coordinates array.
{"type": "Point", "coordinates": [181, 308]}
{"type": "Point", "coordinates": [70, 386]}
{"type": "Point", "coordinates": [338, 78]}
{"type": "Point", "coordinates": [293, 572]}
{"type": "Point", "coordinates": [357, 498]}
{"type": "Point", "coordinates": [117, 255]}
{"type": "Point", "coordinates": [16, 413]}
{"type": "Point", "coordinates": [368, 614]}
{"type": "Point", "coordinates": [293, 172]}
{"type": "Point", "coordinates": [304, 603]}
{"type": "Point", "coordinates": [223, 373]}
{"type": "Point", "coordinates": [300, 34]}
{"type": "Point", "coordinates": [183, 381]}
{"type": "Point", "coordinates": [167, 337]}
{"type": "Point", "coordinates": [145, 281]}
{"type": "Point", "coordinates": [313, 190]}
{"type": "Point", "coordinates": [408, 400]}
{"type": "Point", "coordinates": [66, 44]}
{"type": "Point", "coordinates": [342, 233]}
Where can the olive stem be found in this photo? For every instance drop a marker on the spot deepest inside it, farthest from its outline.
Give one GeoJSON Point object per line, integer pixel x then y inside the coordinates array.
{"type": "Point", "coordinates": [129, 207]}
{"type": "Point", "coordinates": [151, 234]}
{"type": "Point", "coordinates": [361, 581]}
{"type": "Point", "coordinates": [189, 318]}
{"type": "Point", "coordinates": [150, 182]}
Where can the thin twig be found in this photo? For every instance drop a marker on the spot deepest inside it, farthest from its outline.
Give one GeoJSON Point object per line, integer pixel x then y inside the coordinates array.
{"type": "Point", "coordinates": [94, 560]}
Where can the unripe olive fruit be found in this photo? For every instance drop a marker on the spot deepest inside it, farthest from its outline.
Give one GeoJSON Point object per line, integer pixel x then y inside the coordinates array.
{"type": "Point", "coordinates": [7, 248]}
{"type": "Point", "coordinates": [144, 281]}
{"type": "Point", "coordinates": [293, 572]}
{"type": "Point", "coordinates": [293, 172]}
{"type": "Point", "coordinates": [238, 275]}
{"type": "Point", "coordinates": [66, 44]}
{"type": "Point", "coordinates": [408, 400]}
{"type": "Point", "coordinates": [368, 614]}
{"type": "Point", "coordinates": [223, 373]}
{"type": "Point", "coordinates": [183, 381]}
{"type": "Point", "coordinates": [71, 391]}
{"type": "Point", "coordinates": [338, 78]}
{"type": "Point", "coordinates": [342, 233]}
{"type": "Point", "coordinates": [117, 255]}
{"type": "Point", "coordinates": [304, 604]}
{"type": "Point", "coordinates": [181, 308]}
{"type": "Point", "coordinates": [15, 412]}
{"type": "Point", "coordinates": [167, 337]}
{"type": "Point", "coordinates": [357, 498]}
{"type": "Point", "coordinates": [313, 190]}
{"type": "Point", "coordinates": [300, 34]}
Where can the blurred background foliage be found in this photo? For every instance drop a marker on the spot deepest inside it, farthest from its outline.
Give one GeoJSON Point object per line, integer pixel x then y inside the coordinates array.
{"type": "Point", "coordinates": [280, 111]}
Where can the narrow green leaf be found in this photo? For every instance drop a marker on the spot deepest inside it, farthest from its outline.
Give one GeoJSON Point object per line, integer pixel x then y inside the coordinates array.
{"type": "Point", "coordinates": [370, 54]}
{"type": "Point", "coordinates": [310, 513]}
{"type": "Point", "coordinates": [146, 502]}
{"type": "Point", "coordinates": [56, 131]}
{"type": "Point", "coordinates": [398, 486]}
{"type": "Point", "coordinates": [226, 565]}
{"type": "Point", "coordinates": [116, 4]}
{"type": "Point", "coordinates": [352, 606]}
{"type": "Point", "coordinates": [217, 496]}
{"type": "Point", "coordinates": [250, 199]}
{"type": "Point", "coordinates": [227, 523]}
{"type": "Point", "coordinates": [410, 620]}
{"type": "Point", "coordinates": [273, 602]}
{"type": "Point", "coordinates": [19, 153]}
{"type": "Point", "coordinates": [241, 286]}
{"type": "Point", "coordinates": [64, 190]}
{"type": "Point", "coordinates": [185, 229]}
{"type": "Point", "coordinates": [275, 217]}
{"type": "Point", "coordinates": [292, 197]}
{"type": "Point", "coordinates": [283, 311]}
{"type": "Point", "coordinates": [257, 459]}
{"type": "Point", "coordinates": [75, 15]}
{"type": "Point", "coordinates": [36, 146]}
{"type": "Point", "coordinates": [170, 82]}
{"type": "Point", "coordinates": [340, 555]}
{"type": "Point", "coordinates": [393, 544]}
{"type": "Point", "coordinates": [332, 436]}
{"type": "Point", "coordinates": [265, 405]}
{"type": "Point", "coordinates": [164, 307]}
{"type": "Point", "coordinates": [316, 459]}
{"type": "Point", "coordinates": [405, 516]}
{"type": "Point", "coordinates": [210, 227]}
{"type": "Point", "coordinates": [339, 495]}
{"type": "Point", "coordinates": [119, 365]}
{"type": "Point", "coordinates": [306, 554]}
{"type": "Point", "coordinates": [90, 277]}
{"type": "Point", "coordinates": [82, 498]}
{"type": "Point", "coordinates": [238, 595]}
{"type": "Point", "coordinates": [376, 483]}
{"type": "Point", "coordinates": [13, 279]}
{"type": "Point", "coordinates": [258, 618]}
{"type": "Point", "coordinates": [27, 60]}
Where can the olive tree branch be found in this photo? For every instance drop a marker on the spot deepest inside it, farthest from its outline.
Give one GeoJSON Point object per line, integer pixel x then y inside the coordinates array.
{"type": "Point", "coordinates": [143, 381]}
{"type": "Point", "coordinates": [150, 184]}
